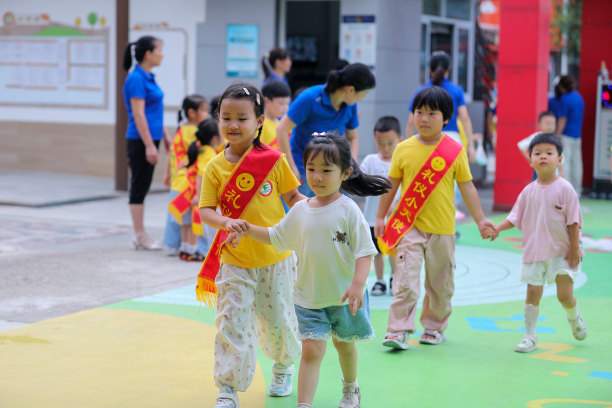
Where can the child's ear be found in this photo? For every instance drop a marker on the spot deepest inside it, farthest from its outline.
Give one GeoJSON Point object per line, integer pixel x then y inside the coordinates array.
{"type": "Point", "coordinates": [268, 100]}
{"type": "Point", "coordinates": [260, 121]}
{"type": "Point", "coordinates": [347, 174]}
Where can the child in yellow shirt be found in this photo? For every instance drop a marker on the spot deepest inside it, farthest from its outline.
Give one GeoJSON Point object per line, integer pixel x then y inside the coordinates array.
{"type": "Point", "coordinates": [432, 236]}
{"type": "Point", "coordinates": [277, 95]}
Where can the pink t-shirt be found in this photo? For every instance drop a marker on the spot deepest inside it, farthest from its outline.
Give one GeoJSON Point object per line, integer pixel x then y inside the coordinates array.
{"type": "Point", "coordinates": [543, 213]}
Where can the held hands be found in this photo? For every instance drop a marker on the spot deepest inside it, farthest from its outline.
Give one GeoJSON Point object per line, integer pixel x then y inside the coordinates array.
{"type": "Point", "coordinates": [487, 229]}
{"type": "Point", "coordinates": [237, 229]}
{"type": "Point", "coordinates": [233, 239]}
{"type": "Point", "coordinates": [355, 296]}
{"type": "Point", "coordinates": [573, 257]}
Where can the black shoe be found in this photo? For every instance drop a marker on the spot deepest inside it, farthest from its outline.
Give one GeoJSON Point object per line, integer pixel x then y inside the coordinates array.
{"type": "Point", "coordinates": [379, 289]}
{"type": "Point", "coordinates": [391, 285]}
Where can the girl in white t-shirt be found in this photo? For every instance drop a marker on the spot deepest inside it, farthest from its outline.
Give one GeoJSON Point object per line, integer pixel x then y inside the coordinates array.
{"type": "Point", "coordinates": [333, 243]}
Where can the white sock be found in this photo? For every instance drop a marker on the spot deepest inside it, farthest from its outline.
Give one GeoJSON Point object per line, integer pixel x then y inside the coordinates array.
{"type": "Point", "coordinates": [572, 313]}
{"type": "Point", "coordinates": [353, 384]}
{"type": "Point", "coordinates": [183, 247]}
{"type": "Point", "coordinates": [380, 281]}
{"type": "Point", "coordinates": [531, 319]}
{"type": "Point", "coordinates": [191, 249]}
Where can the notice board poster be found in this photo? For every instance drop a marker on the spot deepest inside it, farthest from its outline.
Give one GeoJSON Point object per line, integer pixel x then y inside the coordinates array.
{"type": "Point", "coordinates": [358, 39]}
{"type": "Point", "coordinates": [242, 51]}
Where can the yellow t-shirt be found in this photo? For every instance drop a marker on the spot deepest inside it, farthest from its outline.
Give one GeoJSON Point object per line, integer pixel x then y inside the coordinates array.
{"type": "Point", "coordinates": [178, 178]}
{"type": "Point", "coordinates": [438, 215]}
{"type": "Point", "coordinates": [206, 154]}
{"type": "Point", "coordinates": [266, 210]}
{"type": "Point", "coordinates": [268, 131]}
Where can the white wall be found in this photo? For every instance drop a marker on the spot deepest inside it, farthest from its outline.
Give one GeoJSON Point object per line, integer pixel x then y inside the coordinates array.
{"type": "Point", "coordinates": [185, 14]}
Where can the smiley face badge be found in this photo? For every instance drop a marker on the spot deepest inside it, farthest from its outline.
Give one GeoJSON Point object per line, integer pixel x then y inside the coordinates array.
{"type": "Point", "coordinates": [245, 182]}
{"type": "Point", "coordinates": [438, 163]}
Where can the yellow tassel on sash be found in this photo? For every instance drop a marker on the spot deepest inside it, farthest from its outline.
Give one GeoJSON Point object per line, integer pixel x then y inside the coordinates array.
{"type": "Point", "coordinates": [384, 248]}
{"type": "Point", "coordinates": [206, 292]}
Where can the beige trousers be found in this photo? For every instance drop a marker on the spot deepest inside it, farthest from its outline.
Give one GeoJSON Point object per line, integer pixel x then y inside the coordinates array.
{"type": "Point", "coordinates": [438, 253]}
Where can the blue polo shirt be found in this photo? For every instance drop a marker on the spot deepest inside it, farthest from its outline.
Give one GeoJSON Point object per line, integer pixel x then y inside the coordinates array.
{"type": "Point", "coordinates": [456, 92]}
{"type": "Point", "coordinates": [140, 84]}
{"type": "Point", "coordinates": [274, 76]}
{"type": "Point", "coordinates": [312, 112]}
{"type": "Point", "coordinates": [572, 108]}
{"type": "Point", "coordinates": [554, 105]}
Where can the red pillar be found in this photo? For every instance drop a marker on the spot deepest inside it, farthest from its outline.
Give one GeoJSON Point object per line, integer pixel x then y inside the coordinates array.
{"type": "Point", "coordinates": [522, 82]}
{"type": "Point", "coordinates": [595, 47]}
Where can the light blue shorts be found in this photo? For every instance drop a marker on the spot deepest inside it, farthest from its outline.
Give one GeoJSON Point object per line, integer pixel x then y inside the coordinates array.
{"type": "Point", "coordinates": [337, 321]}
{"type": "Point", "coordinates": [172, 232]}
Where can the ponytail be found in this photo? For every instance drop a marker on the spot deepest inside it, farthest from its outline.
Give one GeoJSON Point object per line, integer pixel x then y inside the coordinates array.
{"type": "Point", "coordinates": [357, 75]}
{"type": "Point", "coordinates": [265, 65]}
{"type": "Point", "coordinates": [336, 150]}
{"type": "Point", "coordinates": [180, 118]}
{"type": "Point", "coordinates": [268, 61]}
{"type": "Point", "coordinates": [144, 44]}
{"type": "Point", "coordinates": [438, 65]}
{"type": "Point", "coordinates": [193, 101]}
{"type": "Point", "coordinates": [127, 57]}
{"type": "Point", "coordinates": [207, 129]}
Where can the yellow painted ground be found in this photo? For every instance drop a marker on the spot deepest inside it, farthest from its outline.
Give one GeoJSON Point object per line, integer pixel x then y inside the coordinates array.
{"type": "Point", "coordinates": [113, 358]}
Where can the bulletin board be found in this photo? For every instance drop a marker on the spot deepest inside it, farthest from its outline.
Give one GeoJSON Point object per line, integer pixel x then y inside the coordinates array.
{"type": "Point", "coordinates": [54, 65]}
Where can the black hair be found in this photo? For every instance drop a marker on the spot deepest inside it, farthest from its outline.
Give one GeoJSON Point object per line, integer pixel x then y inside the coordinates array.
{"type": "Point", "coordinates": [214, 106]}
{"type": "Point", "coordinates": [194, 102]}
{"type": "Point", "coordinates": [357, 75]}
{"type": "Point", "coordinates": [207, 129]}
{"type": "Point", "coordinates": [567, 83]}
{"type": "Point", "coordinates": [340, 64]}
{"type": "Point", "coordinates": [269, 60]}
{"type": "Point", "coordinates": [243, 90]}
{"type": "Point", "coordinates": [549, 138]}
{"type": "Point", "coordinates": [438, 65]}
{"type": "Point", "coordinates": [144, 44]}
{"type": "Point", "coordinates": [544, 114]}
{"type": "Point", "coordinates": [387, 123]}
{"type": "Point", "coordinates": [276, 89]}
{"type": "Point", "coordinates": [435, 98]}
{"type": "Point", "coordinates": [336, 150]}
{"type": "Point", "coordinates": [558, 91]}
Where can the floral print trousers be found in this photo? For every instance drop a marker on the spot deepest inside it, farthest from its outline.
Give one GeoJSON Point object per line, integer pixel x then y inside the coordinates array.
{"type": "Point", "coordinates": [254, 304]}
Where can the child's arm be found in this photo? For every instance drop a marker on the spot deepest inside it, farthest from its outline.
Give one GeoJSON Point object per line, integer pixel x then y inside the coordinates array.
{"type": "Point", "coordinates": [213, 219]}
{"type": "Point", "coordinates": [196, 198]}
{"type": "Point", "coordinates": [383, 206]}
{"type": "Point", "coordinates": [355, 292]}
{"type": "Point", "coordinates": [282, 136]}
{"type": "Point", "coordinates": [503, 226]}
{"type": "Point", "coordinates": [167, 172]}
{"type": "Point", "coordinates": [525, 155]}
{"type": "Point", "coordinates": [573, 255]}
{"type": "Point", "coordinates": [292, 197]}
{"type": "Point", "coordinates": [256, 233]}
{"type": "Point", "coordinates": [470, 196]}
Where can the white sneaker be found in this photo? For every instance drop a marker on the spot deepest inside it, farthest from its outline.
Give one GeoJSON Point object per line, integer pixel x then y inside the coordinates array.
{"type": "Point", "coordinates": [579, 329]}
{"type": "Point", "coordinates": [281, 381]}
{"type": "Point", "coordinates": [397, 340]}
{"type": "Point", "coordinates": [528, 344]}
{"type": "Point", "coordinates": [172, 251]}
{"type": "Point", "coordinates": [351, 397]}
{"type": "Point", "coordinates": [227, 398]}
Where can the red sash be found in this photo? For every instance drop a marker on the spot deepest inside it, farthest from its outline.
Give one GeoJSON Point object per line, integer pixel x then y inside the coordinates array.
{"type": "Point", "coordinates": [240, 189]}
{"type": "Point", "coordinates": [418, 192]}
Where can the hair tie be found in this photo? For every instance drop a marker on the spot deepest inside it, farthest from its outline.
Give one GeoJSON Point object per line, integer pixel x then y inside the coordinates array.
{"type": "Point", "coordinates": [315, 134]}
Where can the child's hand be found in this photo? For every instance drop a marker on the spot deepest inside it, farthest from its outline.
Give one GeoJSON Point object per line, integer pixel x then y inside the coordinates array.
{"type": "Point", "coordinates": [233, 239]}
{"type": "Point", "coordinates": [355, 296]}
{"type": "Point", "coordinates": [167, 180]}
{"type": "Point", "coordinates": [487, 229]}
{"type": "Point", "coordinates": [237, 225]}
{"type": "Point", "coordinates": [379, 228]}
{"type": "Point", "coordinates": [195, 201]}
{"type": "Point", "coordinates": [573, 257]}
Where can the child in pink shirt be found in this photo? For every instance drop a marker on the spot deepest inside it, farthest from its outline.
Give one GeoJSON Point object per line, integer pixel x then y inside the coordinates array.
{"type": "Point", "coordinates": [548, 214]}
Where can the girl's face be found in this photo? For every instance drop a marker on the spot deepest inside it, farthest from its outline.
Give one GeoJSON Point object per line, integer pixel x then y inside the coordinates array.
{"type": "Point", "coordinates": [155, 57]}
{"type": "Point", "coordinates": [351, 97]}
{"type": "Point", "coordinates": [324, 178]}
{"type": "Point", "coordinates": [429, 122]}
{"type": "Point", "coordinates": [200, 115]}
{"type": "Point", "coordinates": [237, 121]}
{"type": "Point", "coordinates": [283, 65]}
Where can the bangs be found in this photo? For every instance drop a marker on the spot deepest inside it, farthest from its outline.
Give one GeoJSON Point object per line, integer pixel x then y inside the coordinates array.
{"type": "Point", "coordinates": [331, 155]}
{"type": "Point", "coordinates": [435, 98]}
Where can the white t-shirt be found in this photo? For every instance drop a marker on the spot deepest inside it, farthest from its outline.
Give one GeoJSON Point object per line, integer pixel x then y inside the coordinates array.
{"type": "Point", "coordinates": [327, 241]}
{"type": "Point", "coordinates": [374, 166]}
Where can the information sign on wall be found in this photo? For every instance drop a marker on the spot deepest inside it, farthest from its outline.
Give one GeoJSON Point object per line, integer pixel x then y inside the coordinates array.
{"type": "Point", "coordinates": [242, 57]}
{"type": "Point", "coordinates": [358, 39]}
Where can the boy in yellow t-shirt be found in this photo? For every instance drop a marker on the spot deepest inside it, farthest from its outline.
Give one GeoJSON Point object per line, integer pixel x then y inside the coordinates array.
{"type": "Point", "coordinates": [277, 95]}
{"type": "Point", "coordinates": [432, 238]}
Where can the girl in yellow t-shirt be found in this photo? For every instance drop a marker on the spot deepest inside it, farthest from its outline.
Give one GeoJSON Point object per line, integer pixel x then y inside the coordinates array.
{"type": "Point", "coordinates": [254, 282]}
{"type": "Point", "coordinates": [177, 232]}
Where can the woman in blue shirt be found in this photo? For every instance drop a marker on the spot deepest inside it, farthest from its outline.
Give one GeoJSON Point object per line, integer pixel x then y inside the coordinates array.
{"type": "Point", "coordinates": [144, 103]}
{"type": "Point", "coordinates": [322, 108]}
{"type": "Point", "coordinates": [276, 65]}
{"type": "Point", "coordinates": [569, 127]}
{"type": "Point", "coordinates": [439, 66]}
